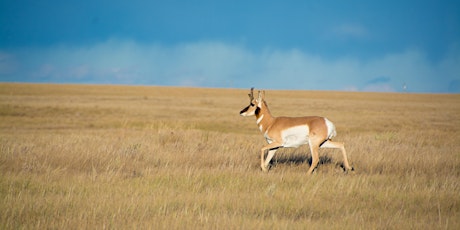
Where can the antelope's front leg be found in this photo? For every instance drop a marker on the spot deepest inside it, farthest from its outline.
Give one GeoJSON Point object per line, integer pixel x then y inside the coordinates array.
{"type": "Point", "coordinates": [269, 157]}
{"type": "Point", "coordinates": [262, 166]}
{"type": "Point", "coordinates": [271, 152]}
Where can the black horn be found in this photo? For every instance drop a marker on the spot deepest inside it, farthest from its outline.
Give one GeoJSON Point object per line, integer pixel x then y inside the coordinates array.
{"type": "Point", "coordinates": [251, 95]}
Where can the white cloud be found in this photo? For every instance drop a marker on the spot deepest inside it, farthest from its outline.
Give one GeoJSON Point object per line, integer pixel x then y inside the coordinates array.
{"type": "Point", "coordinates": [218, 64]}
{"type": "Point", "coordinates": [349, 30]}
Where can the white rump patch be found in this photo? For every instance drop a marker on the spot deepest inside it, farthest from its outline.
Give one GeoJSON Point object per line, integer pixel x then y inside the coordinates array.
{"type": "Point", "coordinates": [295, 136]}
{"type": "Point", "coordinates": [331, 133]}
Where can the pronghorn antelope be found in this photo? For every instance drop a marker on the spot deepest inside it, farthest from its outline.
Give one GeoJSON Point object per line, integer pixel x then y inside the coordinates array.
{"type": "Point", "coordinates": [292, 132]}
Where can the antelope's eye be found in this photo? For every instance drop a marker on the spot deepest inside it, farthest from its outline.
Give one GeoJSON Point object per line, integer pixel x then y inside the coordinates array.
{"type": "Point", "coordinates": [252, 104]}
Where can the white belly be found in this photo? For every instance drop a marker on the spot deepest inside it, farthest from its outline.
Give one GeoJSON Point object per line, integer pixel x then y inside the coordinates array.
{"type": "Point", "coordinates": [295, 136]}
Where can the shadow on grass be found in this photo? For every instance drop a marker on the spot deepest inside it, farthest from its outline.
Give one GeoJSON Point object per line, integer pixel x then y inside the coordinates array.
{"type": "Point", "coordinates": [299, 159]}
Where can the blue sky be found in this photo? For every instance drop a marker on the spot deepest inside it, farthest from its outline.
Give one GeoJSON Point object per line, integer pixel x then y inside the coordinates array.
{"type": "Point", "coordinates": [311, 45]}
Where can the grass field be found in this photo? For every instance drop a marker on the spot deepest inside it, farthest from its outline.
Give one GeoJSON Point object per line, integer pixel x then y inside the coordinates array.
{"type": "Point", "coordinates": [132, 157]}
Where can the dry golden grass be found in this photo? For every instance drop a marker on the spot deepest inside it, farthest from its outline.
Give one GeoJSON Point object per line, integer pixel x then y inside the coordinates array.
{"type": "Point", "coordinates": [80, 156]}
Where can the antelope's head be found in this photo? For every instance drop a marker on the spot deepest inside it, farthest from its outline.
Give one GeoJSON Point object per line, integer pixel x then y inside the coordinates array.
{"type": "Point", "coordinates": [254, 104]}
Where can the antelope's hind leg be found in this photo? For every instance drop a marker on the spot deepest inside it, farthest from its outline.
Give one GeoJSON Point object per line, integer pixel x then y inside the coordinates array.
{"type": "Point", "coordinates": [339, 145]}
{"type": "Point", "coordinates": [314, 158]}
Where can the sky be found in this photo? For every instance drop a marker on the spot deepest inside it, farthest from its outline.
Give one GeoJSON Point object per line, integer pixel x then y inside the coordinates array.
{"type": "Point", "coordinates": [354, 45]}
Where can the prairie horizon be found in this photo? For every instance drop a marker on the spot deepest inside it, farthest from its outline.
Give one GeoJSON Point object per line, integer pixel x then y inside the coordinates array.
{"type": "Point", "coordinates": [113, 156]}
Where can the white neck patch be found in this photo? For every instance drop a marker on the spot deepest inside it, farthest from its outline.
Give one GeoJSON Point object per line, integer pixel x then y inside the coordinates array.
{"type": "Point", "coordinates": [260, 119]}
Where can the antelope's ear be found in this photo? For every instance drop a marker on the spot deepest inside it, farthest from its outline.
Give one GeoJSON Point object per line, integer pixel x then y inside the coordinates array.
{"type": "Point", "coordinates": [260, 99]}
{"type": "Point", "coordinates": [261, 95]}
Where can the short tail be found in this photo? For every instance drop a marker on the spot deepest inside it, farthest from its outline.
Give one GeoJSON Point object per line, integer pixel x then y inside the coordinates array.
{"type": "Point", "coordinates": [331, 133]}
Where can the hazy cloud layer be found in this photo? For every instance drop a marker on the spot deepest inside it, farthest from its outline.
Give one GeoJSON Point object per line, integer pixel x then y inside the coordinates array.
{"type": "Point", "coordinates": [219, 64]}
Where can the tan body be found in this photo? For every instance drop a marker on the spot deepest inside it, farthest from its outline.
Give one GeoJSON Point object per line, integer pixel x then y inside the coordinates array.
{"type": "Point", "coordinates": [280, 132]}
